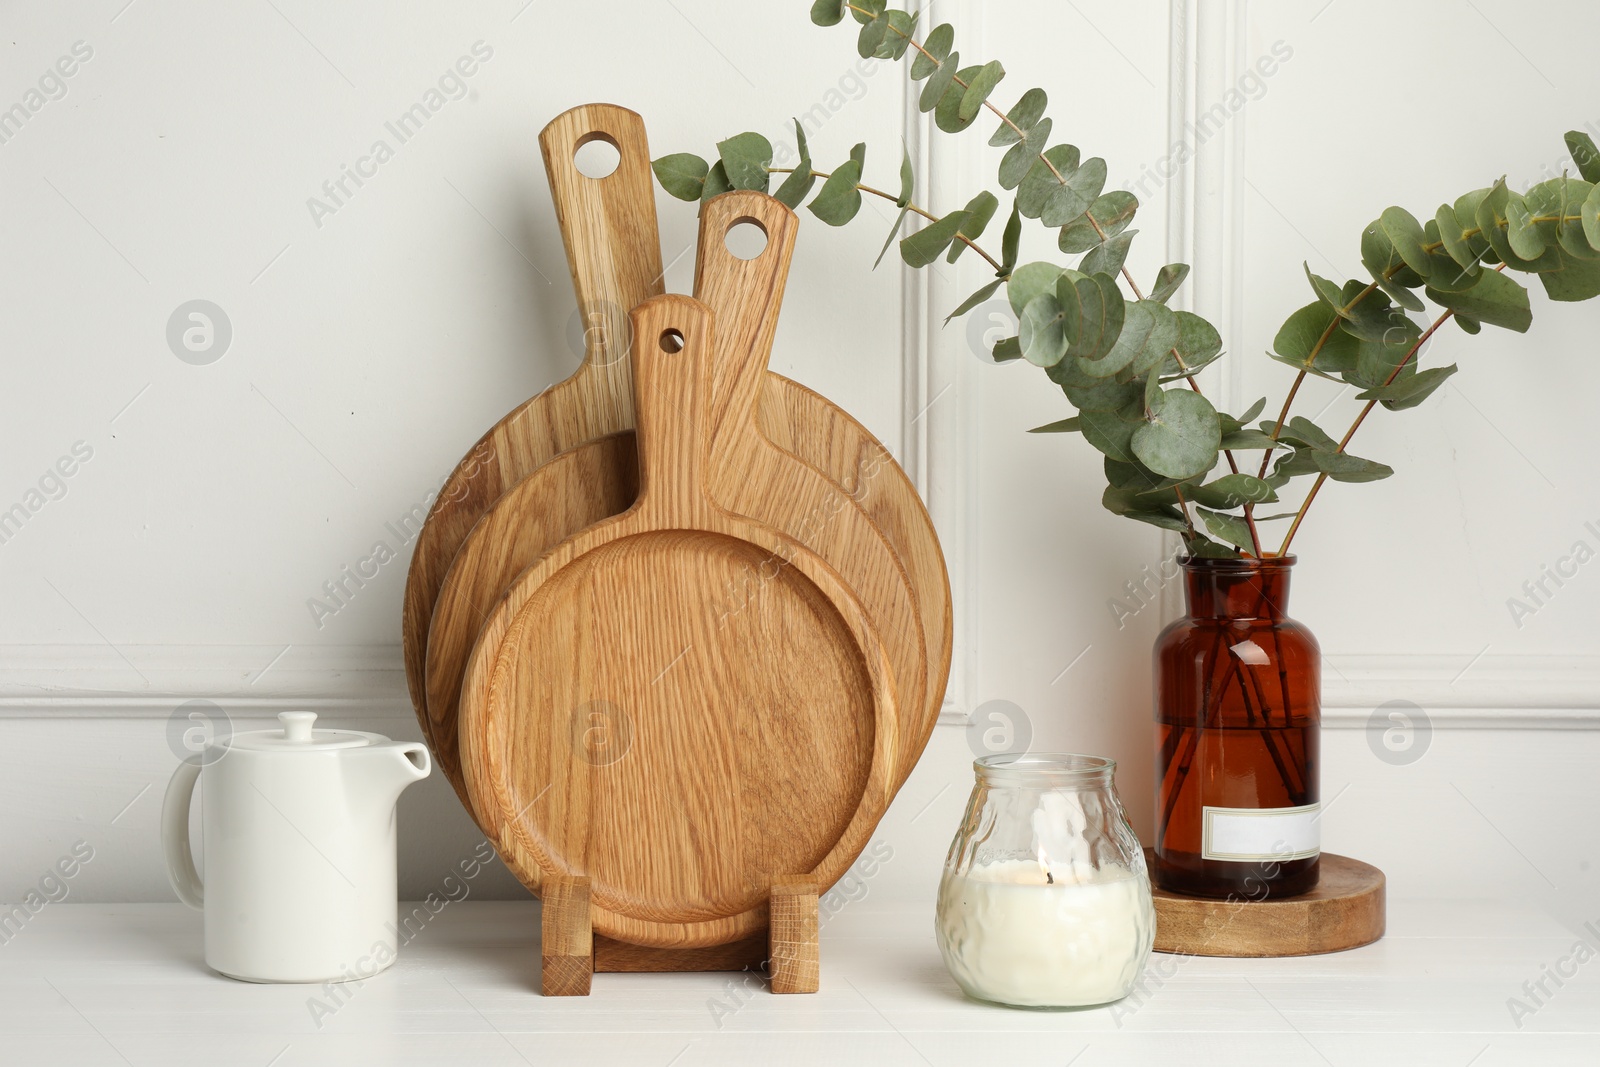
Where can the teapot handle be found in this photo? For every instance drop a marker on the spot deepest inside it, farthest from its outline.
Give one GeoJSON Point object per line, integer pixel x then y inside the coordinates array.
{"type": "Point", "coordinates": [175, 834]}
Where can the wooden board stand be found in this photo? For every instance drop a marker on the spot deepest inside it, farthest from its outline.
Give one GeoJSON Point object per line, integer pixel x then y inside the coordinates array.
{"type": "Point", "coordinates": [571, 951]}
{"type": "Point", "coordinates": [1345, 910]}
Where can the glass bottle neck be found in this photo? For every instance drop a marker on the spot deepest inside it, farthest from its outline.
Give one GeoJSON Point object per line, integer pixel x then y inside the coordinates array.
{"type": "Point", "coordinates": [1237, 588]}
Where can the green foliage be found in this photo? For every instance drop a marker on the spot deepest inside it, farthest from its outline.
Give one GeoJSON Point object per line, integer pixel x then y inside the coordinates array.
{"type": "Point", "coordinates": [1127, 363]}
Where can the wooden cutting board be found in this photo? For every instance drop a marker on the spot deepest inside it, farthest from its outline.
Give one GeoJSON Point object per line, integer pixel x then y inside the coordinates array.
{"type": "Point", "coordinates": [599, 480]}
{"type": "Point", "coordinates": [751, 746]}
{"type": "Point", "coordinates": [615, 263]}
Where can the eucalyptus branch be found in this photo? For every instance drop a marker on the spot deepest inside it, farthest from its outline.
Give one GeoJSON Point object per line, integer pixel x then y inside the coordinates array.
{"type": "Point", "coordinates": [1356, 425]}
{"type": "Point", "coordinates": [1118, 359]}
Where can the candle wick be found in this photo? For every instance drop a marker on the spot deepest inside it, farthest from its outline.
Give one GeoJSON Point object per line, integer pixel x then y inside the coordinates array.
{"type": "Point", "coordinates": [1049, 879]}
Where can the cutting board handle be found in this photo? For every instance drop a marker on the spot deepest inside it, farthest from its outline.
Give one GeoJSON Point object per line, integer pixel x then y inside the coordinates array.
{"type": "Point", "coordinates": [608, 226]}
{"type": "Point", "coordinates": [745, 295]}
{"type": "Point", "coordinates": [672, 364]}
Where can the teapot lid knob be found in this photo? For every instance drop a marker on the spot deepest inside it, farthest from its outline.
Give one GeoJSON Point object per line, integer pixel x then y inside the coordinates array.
{"type": "Point", "coordinates": [297, 724]}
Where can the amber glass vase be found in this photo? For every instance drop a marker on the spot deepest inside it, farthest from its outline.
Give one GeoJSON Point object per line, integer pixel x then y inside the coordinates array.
{"type": "Point", "coordinates": [1238, 708]}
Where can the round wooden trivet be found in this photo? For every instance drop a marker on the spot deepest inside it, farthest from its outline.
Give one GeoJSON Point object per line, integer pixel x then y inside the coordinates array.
{"type": "Point", "coordinates": [1346, 910]}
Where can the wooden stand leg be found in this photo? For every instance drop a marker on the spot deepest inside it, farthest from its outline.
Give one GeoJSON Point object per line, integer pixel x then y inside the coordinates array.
{"type": "Point", "coordinates": [792, 939]}
{"type": "Point", "coordinates": [567, 939]}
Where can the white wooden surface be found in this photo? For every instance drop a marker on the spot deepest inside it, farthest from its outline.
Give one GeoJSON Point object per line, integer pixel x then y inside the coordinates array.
{"type": "Point", "coordinates": [89, 985]}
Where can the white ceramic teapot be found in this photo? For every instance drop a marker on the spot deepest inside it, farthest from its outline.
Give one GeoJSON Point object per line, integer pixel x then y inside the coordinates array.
{"type": "Point", "coordinates": [299, 833]}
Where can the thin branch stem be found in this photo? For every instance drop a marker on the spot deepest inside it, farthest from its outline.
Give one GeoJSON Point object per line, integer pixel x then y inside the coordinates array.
{"type": "Point", "coordinates": [1360, 418]}
{"type": "Point", "coordinates": [914, 209]}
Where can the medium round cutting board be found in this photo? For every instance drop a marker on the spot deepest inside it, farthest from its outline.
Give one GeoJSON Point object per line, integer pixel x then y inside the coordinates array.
{"type": "Point", "coordinates": [744, 747]}
{"type": "Point", "coordinates": [609, 228]}
{"type": "Point", "coordinates": [748, 475]}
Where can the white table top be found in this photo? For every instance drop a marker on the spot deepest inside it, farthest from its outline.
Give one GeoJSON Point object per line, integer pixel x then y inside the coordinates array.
{"type": "Point", "coordinates": [91, 984]}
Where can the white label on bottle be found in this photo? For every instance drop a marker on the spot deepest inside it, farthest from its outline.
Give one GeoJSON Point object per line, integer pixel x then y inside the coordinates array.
{"type": "Point", "coordinates": [1261, 833]}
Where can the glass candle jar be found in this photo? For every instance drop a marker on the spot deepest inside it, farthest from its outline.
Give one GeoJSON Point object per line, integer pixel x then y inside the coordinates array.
{"type": "Point", "coordinates": [1045, 900]}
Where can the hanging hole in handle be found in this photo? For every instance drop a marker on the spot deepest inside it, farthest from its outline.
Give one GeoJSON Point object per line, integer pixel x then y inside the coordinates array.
{"type": "Point", "coordinates": [671, 341]}
{"type": "Point", "coordinates": [597, 155]}
{"type": "Point", "coordinates": [746, 238]}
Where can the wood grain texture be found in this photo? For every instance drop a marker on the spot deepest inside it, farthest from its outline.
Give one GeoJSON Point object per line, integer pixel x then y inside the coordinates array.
{"type": "Point", "coordinates": [595, 481]}
{"type": "Point", "coordinates": [752, 477]}
{"type": "Point", "coordinates": [738, 743]}
{"type": "Point", "coordinates": [1346, 910]}
{"type": "Point", "coordinates": [566, 940]}
{"type": "Point", "coordinates": [613, 956]}
{"type": "Point", "coordinates": [792, 937]}
{"type": "Point", "coordinates": [749, 476]}
{"type": "Point", "coordinates": [608, 226]}
{"type": "Point", "coordinates": [794, 418]}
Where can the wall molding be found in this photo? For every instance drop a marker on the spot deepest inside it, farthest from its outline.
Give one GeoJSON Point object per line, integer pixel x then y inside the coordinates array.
{"type": "Point", "coordinates": [368, 682]}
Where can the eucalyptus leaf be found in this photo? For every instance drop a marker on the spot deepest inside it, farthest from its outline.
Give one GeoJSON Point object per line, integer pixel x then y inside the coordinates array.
{"type": "Point", "coordinates": [1410, 391]}
{"type": "Point", "coordinates": [929, 243]}
{"type": "Point", "coordinates": [1182, 440]}
{"type": "Point", "coordinates": [1020, 157]}
{"type": "Point", "coordinates": [1591, 217]}
{"type": "Point", "coordinates": [948, 115]}
{"type": "Point", "coordinates": [1229, 423]}
{"type": "Point", "coordinates": [682, 174]}
{"type": "Point", "coordinates": [1168, 279]}
{"type": "Point", "coordinates": [1072, 195]}
{"type": "Point", "coordinates": [1245, 440]}
{"type": "Point", "coordinates": [716, 182]}
{"type": "Point", "coordinates": [1581, 145]}
{"type": "Point", "coordinates": [1494, 219]}
{"type": "Point", "coordinates": [1093, 310]}
{"type": "Point", "coordinates": [1040, 331]}
{"type": "Point", "coordinates": [1029, 280]}
{"type": "Point", "coordinates": [1130, 505]}
{"type": "Point", "coordinates": [1302, 342]}
{"type": "Point", "coordinates": [827, 12]}
{"type": "Point", "coordinates": [1105, 394]}
{"type": "Point", "coordinates": [897, 38]}
{"type": "Point", "coordinates": [1007, 349]}
{"type": "Point", "coordinates": [797, 185]}
{"type": "Point", "coordinates": [1233, 491]}
{"type": "Point", "coordinates": [1326, 291]}
{"type": "Point", "coordinates": [1230, 528]}
{"type": "Point", "coordinates": [1111, 434]}
{"type": "Point", "coordinates": [939, 83]}
{"type": "Point", "coordinates": [1388, 269]}
{"type": "Point", "coordinates": [1198, 344]}
{"type": "Point", "coordinates": [1346, 468]}
{"type": "Point", "coordinates": [1040, 181]}
{"type": "Point", "coordinates": [1405, 233]}
{"type": "Point", "coordinates": [1059, 426]}
{"type": "Point", "coordinates": [1454, 236]}
{"type": "Point", "coordinates": [1010, 240]}
{"type": "Point", "coordinates": [1109, 257]}
{"type": "Point", "coordinates": [1024, 114]}
{"type": "Point", "coordinates": [865, 11]}
{"type": "Point", "coordinates": [1108, 215]}
{"type": "Point", "coordinates": [934, 50]}
{"type": "Point", "coordinates": [1149, 333]}
{"type": "Point", "coordinates": [1495, 299]}
{"type": "Point", "coordinates": [1578, 279]}
{"type": "Point", "coordinates": [979, 86]}
{"type": "Point", "coordinates": [980, 209]}
{"type": "Point", "coordinates": [894, 231]}
{"type": "Point", "coordinates": [974, 300]}
{"type": "Point", "coordinates": [839, 199]}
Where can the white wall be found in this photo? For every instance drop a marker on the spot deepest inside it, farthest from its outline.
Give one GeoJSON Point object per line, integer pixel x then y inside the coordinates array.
{"type": "Point", "coordinates": [369, 351]}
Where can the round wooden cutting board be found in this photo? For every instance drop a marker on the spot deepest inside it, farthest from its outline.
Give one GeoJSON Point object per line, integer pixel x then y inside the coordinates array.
{"type": "Point", "coordinates": [624, 721]}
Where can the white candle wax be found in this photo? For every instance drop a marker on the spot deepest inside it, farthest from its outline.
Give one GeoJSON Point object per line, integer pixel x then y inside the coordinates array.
{"type": "Point", "coordinates": [1008, 934]}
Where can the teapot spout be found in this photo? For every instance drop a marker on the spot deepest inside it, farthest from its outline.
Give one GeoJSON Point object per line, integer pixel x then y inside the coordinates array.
{"type": "Point", "coordinates": [382, 771]}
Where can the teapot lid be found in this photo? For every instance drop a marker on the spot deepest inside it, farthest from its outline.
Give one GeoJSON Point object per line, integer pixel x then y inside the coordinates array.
{"type": "Point", "coordinates": [298, 736]}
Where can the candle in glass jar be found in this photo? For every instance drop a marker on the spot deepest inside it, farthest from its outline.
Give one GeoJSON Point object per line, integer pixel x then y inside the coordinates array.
{"type": "Point", "coordinates": [1023, 932]}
